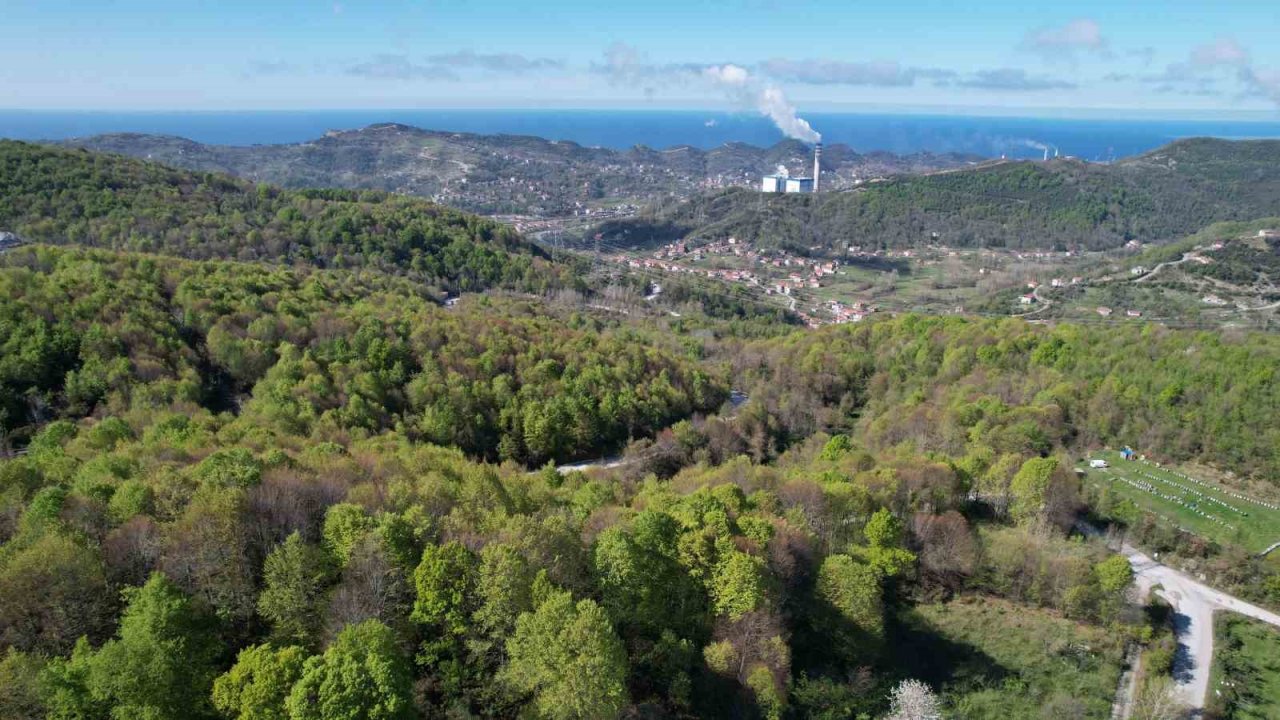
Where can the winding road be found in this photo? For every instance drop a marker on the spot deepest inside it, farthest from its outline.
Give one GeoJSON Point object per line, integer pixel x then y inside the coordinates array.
{"type": "Point", "coordinates": [1168, 263]}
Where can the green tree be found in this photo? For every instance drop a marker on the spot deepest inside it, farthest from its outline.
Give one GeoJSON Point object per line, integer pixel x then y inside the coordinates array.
{"type": "Point", "coordinates": [64, 686]}
{"type": "Point", "coordinates": [569, 658]}
{"type": "Point", "coordinates": [738, 584]}
{"type": "Point", "coordinates": [20, 686]}
{"type": "Point", "coordinates": [1114, 576]}
{"type": "Point", "coordinates": [503, 589]}
{"type": "Point", "coordinates": [883, 529]}
{"type": "Point", "coordinates": [445, 581]}
{"type": "Point", "coordinates": [837, 447]}
{"type": "Point", "coordinates": [257, 686]}
{"type": "Point", "coordinates": [642, 584]}
{"type": "Point", "coordinates": [853, 591]}
{"type": "Point", "coordinates": [1029, 488]}
{"type": "Point", "coordinates": [345, 524]}
{"type": "Point", "coordinates": [363, 675]}
{"type": "Point", "coordinates": [162, 663]}
{"type": "Point", "coordinates": [295, 577]}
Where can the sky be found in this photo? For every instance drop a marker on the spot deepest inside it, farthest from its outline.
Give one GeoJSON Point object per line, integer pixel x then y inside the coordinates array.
{"type": "Point", "coordinates": [1178, 57]}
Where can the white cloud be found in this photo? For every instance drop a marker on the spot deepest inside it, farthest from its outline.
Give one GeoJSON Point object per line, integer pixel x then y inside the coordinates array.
{"type": "Point", "coordinates": [1065, 41]}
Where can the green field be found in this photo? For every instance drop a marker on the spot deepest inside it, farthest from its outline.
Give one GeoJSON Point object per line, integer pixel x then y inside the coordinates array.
{"type": "Point", "coordinates": [1246, 669]}
{"type": "Point", "coordinates": [1203, 509]}
{"type": "Point", "coordinates": [991, 658]}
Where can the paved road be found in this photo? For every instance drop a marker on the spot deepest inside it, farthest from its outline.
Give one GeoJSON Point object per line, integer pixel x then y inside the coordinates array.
{"type": "Point", "coordinates": [736, 399]}
{"type": "Point", "coordinates": [1156, 270]}
{"type": "Point", "coordinates": [1194, 604]}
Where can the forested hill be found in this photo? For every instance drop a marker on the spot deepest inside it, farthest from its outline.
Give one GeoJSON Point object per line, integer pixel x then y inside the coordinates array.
{"type": "Point", "coordinates": [1164, 194]}
{"type": "Point", "coordinates": [74, 196]}
{"type": "Point", "coordinates": [506, 173]}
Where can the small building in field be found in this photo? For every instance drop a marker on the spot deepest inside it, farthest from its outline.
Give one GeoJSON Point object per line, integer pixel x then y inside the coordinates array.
{"type": "Point", "coordinates": [1104, 311]}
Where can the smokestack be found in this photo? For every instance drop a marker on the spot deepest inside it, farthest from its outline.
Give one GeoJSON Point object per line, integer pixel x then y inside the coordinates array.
{"type": "Point", "coordinates": [817, 164]}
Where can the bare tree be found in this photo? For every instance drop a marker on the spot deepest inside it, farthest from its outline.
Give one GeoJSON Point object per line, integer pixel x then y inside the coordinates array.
{"type": "Point", "coordinates": [1158, 700]}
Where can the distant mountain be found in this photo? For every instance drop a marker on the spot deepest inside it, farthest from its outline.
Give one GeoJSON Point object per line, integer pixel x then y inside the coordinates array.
{"type": "Point", "coordinates": [510, 174]}
{"type": "Point", "coordinates": [1063, 203]}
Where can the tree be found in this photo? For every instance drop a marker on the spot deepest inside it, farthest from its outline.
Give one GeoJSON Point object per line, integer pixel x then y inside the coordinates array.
{"type": "Point", "coordinates": [1029, 488]}
{"type": "Point", "coordinates": [1158, 699]}
{"type": "Point", "coordinates": [64, 687]}
{"type": "Point", "coordinates": [444, 582]}
{"type": "Point", "coordinates": [295, 576]}
{"type": "Point", "coordinates": [837, 447]}
{"type": "Point", "coordinates": [363, 675]}
{"type": "Point", "coordinates": [19, 686]}
{"type": "Point", "coordinates": [503, 589]}
{"type": "Point", "coordinates": [884, 552]}
{"type": "Point", "coordinates": [913, 700]}
{"type": "Point", "coordinates": [852, 590]}
{"type": "Point", "coordinates": [207, 552]}
{"type": "Point", "coordinates": [256, 687]}
{"type": "Point", "coordinates": [883, 529]}
{"type": "Point", "coordinates": [569, 658]}
{"type": "Point", "coordinates": [52, 592]}
{"type": "Point", "coordinates": [753, 651]}
{"type": "Point", "coordinates": [738, 584]}
{"type": "Point", "coordinates": [642, 584]}
{"type": "Point", "coordinates": [345, 524]}
{"type": "Point", "coordinates": [161, 664]}
{"type": "Point", "coordinates": [1115, 574]}
{"type": "Point", "coordinates": [947, 548]}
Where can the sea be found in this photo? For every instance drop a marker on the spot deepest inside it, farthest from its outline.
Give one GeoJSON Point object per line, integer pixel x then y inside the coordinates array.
{"type": "Point", "coordinates": [1019, 137]}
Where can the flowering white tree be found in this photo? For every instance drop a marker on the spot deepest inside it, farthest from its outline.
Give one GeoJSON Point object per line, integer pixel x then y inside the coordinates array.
{"type": "Point", "coordinates": [913, 700]}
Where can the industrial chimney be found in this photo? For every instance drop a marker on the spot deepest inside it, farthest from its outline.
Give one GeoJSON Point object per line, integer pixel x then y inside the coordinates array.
{"type": "Point", "coordinates": [817, 164]}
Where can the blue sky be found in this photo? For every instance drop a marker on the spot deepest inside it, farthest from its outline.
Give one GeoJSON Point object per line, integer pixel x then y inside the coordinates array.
{"type": "Point", "coordinates": [1174, 57]}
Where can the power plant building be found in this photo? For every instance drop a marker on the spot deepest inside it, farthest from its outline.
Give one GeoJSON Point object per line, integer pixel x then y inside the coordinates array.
{"type": "Point", "coordinates": [774, 183]}
{"type": "Point", "coordinates": [799, 185]}
{"type": "Point", "coordinates": [782, 182]}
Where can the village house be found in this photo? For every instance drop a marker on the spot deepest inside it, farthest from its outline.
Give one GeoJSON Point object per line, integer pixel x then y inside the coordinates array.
{"type": "Point", "coordinates": [1133, 313]}
{"type": "Point", "coordinates": [1104, 311]}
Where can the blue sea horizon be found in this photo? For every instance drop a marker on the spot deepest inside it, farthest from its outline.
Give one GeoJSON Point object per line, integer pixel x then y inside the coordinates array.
{"type": "Point", "coordinates": [1022, 137]}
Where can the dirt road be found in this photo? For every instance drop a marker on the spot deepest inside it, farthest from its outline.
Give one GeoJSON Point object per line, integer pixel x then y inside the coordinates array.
{"type": "Point", "coordinates": [1194, 604]}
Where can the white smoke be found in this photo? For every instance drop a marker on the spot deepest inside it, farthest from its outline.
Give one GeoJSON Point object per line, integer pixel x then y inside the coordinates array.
{"type": "Point", "coordinates": [746, 90]}
{"type": "Point", "coordinates": [626, 65]}
{"type": "Point", "coordinates": [1042, 147]}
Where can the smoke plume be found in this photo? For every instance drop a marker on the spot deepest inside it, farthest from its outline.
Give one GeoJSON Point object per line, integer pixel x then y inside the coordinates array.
{"type": "Point", "coordinates": [626, 65]}
{"type": "Point", "coordinates": [746, 90]}
{"type": "Point", "coordinates": [1042, 147]}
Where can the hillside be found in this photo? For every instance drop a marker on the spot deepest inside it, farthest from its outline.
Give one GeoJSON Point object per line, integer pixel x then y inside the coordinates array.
{"type": "Point", "coordinates": [509, 174]}
{"type": "Point", "coordinates": [73, 196]}
{"type": "Point", "coordinates": [1059, 204]}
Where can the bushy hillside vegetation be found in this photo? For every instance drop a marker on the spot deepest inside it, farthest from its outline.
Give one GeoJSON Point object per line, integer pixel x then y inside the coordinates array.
{"type": "Point", "coordinates": [266, 490]}
{"type": "Point", "coordinates": [1062, 204]}
{"type": "Point", "coordinates": [72, 196]}
{"type": "Point", "coordinates": [327, 354]}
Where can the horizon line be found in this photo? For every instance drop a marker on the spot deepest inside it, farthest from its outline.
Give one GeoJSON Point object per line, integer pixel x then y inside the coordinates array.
{"type": "Point", "coordinates": [976, 111]}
